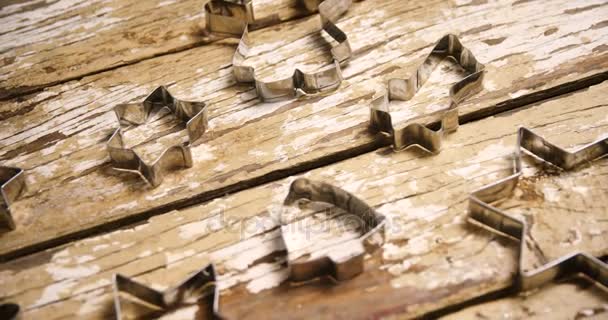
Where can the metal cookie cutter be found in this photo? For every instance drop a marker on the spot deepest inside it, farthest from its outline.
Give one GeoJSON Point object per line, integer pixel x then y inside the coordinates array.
{"type": "Point", "coordinates": [12, 183]}
{"type": "Point", "coordinates": [336, 265]}
{"type": "Point", "coordinates": [404, 89]}
{"type": "Point", "coordinates": [233, 18]}
{"type": "Point", "coordinates": [176, 156]}
{"type": "Point", "coordinates": [201, 284]}
{"type": "Point", "coordinates": [230, 17]}
{"type": "Point", "coordinates": [480, 209]}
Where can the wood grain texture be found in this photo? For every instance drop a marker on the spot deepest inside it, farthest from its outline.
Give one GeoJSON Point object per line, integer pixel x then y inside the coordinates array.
{"type": "Point", "coordinates": [432, 257]}
{"type": "Point", "coordinates": [575, 299]}
{"type": "Point", "coordinates": [531, 51]}
{"type": "Point", "coordinates": [47, 42]}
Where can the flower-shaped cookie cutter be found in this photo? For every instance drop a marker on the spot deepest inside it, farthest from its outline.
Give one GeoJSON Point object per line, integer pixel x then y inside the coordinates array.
{"type": "Point", "coordinates": [337, 264]}
{"type": "Point", "coordinates": [176, 156]}
{"type": "Point", "coordinates": [404, 89]}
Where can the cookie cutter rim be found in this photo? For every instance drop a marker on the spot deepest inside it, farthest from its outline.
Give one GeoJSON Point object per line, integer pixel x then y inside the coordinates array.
{"type": "Point", "coordinates": [417, 134]}
{"type": "Point", "coordinates": [230, 17]}
{"type": "Point", "coordinates": [178, 155]}
{"type": "Point", "coordinates": [225, 17]}
{"type": "Point", "coordinates": [338, 269]}
{"type": "Point", "coordinates": [170, 298]}
{"type": "Point", "coordinates": [12, 184]}
{"type": "Point", "coordinates": [482, 212]}
{"type": "Point", "coordinates": [299, 83]}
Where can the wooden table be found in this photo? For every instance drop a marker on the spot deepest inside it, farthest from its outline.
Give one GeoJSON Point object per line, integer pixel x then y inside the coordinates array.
{"type": "Point", "coordinates": [64, 65]}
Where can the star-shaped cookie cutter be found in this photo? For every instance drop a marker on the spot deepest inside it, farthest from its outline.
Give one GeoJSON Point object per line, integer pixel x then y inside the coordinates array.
{"type": "Point", "coordinates": [404, 89]}
{"type": "Point", "coordinates": [233, 18]}
{"type": "Point", "coordinates": [188, 292]}
{"type": "Point", "coordinates": [481, 211]}
{"type": "Point", "coordinates": [12, 184]}
{"type": "Point", "coordinates": [176, 156]}
{"type": "Point", "coordinates": [336, 265]}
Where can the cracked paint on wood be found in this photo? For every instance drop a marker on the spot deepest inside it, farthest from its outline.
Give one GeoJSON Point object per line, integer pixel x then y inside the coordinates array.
{"type": "Point", "coordinates": [59, 135]}
{"type": "Point", "coordinates": [432, 258]}
{"type": "Point", "coordinates": [46, 42]}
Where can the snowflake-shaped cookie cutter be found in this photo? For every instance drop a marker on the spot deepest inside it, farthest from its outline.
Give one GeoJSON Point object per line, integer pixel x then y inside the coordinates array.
{"type": "Point", "coordinates": [481, 211]}
{"type": "Point", "coordinates": [175, 156]}
{"type": "Point", "coordinates": [336, 265]}
{"type": "Point", "coordinates": [12, 184]}
{"type": "Point", "coordinates": [418, 134]}
{"type": "Point", "coordinates": [190, 291]}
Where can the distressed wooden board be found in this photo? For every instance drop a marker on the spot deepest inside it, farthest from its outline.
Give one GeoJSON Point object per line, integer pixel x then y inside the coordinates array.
{"type": "Point", "coordinates": [576, 299]}
{"type": "Point", "coordinates": [532, 50]}
{"type": "Point", "coordinates": [46, 42]}
{"type": "Point", "coordinates": [432, 257]}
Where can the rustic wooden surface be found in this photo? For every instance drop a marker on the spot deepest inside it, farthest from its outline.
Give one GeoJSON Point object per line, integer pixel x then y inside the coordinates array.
{"type": "Point", "coordinates": [532, 51]}
{"type": "Point", "coordinates": [65, 65]}
{"type": "Point", "coordinates": [432, 258]}
{"type": "Point", "coordinates": [571, 300]}
{"type": "Point", "coordinates": [47, 42]}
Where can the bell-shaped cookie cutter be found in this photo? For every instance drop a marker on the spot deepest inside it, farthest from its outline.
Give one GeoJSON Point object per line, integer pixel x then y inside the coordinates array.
{"type": "Point", "coordinates": [404, 89]}
{"type": "Point", "coordinates": [191, 290]}
{"type": "Point", "coordinates": [12, 184]}
{"type": "Point", "coordinates": [337, 265]}
{"type": "Point", "coordinates": [233, 18]}
{"type": "Point", "coordinates": [176, 156]}
{"type": "Point", "coordinates": [481, 211]}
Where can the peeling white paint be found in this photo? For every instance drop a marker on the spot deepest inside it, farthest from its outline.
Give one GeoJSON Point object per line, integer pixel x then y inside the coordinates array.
{"type": "Point", "coordinates": [203, 152]}
{"type": "Point", "coordinates": [177, 256]}
{"type": "Point", "coordinates": [551, 194]}
{"type": "Point", "coordinates": [54, 292]}
{"type": "Point", "coordinates": [126, 206]}
{"type": "Point", "coordinates": [59, 272]}
{"type": "Point", "coordinates": [220, 167]}
{"type": "Point", "coordinates": [466, 172]}
{"type": "Point", "coordinates": [93, 302]}
{"type": "Point", "coordinates": [492, 151]}
{"type": "Point", "coordinates": [267, 281]}
{"type": "Point", "coordinates": [186, 313]}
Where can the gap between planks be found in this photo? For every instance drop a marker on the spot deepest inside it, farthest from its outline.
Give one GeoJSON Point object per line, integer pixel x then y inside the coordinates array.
{"type": "Point", "coordinates": [300, 168]}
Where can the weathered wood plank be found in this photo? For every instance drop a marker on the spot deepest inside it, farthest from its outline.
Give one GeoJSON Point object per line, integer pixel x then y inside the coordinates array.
{"type": "Point", "coordinates": [532, 50]}
{"type": "Point", "coordinates": [432, 257]}
{"type": "Point", "coordinates": [576, 299]}
{"type": "Point", "coordinates": [46, 42]}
